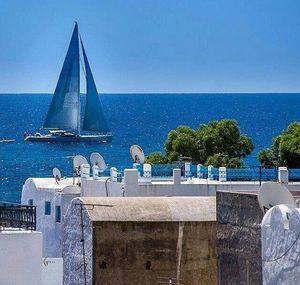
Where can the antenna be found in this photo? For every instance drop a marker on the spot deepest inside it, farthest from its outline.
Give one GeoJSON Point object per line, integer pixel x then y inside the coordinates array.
{"type": "Point", "coordinates": [78, 160]}
{"type": "Point", "coordinates": [137, 154]}
{"type": "Point", "coordinates": [271, 194]}
{"type": "Point", "coordinates": [97, 159]}
{"type": "Point", "coordinates": [56, 175]}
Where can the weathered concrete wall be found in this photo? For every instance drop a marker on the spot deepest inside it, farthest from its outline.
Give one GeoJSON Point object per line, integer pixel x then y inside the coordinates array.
{"type": "Point", "coordinates": [129, 253]}
{"type": "Point", "coordinates": [238, 238]}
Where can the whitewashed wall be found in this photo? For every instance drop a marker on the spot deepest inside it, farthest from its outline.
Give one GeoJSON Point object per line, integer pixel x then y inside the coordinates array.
{"type": "Point", "coordinates": [52, 231]}
{"type": "Point", "coordinates": [97, 188]}
{"type": "Point", "coordinates": [134, 186]}
{"type": "Point", "coordinates": [20, 257]}
{"type": "Point", "coordinates": [281, 246]}
{"type": "Point", "coordinates": [52, 271]}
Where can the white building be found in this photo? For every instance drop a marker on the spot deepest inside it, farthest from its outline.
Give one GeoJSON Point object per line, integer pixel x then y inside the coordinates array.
{"type": "Point", "coordinates": [52, 201]}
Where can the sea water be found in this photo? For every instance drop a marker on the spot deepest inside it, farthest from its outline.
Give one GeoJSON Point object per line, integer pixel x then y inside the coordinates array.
{"type": "Point", "coordinates": [143, 119]}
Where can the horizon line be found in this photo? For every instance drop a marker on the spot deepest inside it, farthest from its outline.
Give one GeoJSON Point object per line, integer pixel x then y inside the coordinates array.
{"type": "Point", "coordinates": [149, 93]}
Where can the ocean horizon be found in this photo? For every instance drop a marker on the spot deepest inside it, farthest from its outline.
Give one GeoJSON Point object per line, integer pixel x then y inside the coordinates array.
{"type": "Point", "coordinates": [139, 118]}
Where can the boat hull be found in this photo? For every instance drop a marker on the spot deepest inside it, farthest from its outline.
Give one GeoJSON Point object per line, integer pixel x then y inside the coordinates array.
{"type": "Point", "coordinates": [76, 138]}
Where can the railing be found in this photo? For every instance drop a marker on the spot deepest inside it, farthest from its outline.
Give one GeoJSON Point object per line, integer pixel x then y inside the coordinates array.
{"type": "Point", "coordinates": [253, 173]}
{"type": "Point", "coordinates": [17, 216]}
{"type": "Point", "coordinates": [250, 173]}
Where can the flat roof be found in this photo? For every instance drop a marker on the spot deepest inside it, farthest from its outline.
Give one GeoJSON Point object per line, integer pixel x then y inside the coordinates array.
{"type": "Point", "coordinates": [50, 184]}
{"type": "Point", "coordinates": [149, 208]}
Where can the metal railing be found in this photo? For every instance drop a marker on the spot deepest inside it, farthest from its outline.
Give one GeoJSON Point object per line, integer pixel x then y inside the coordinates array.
{"type": "Point", "coordinates": [17, 216]}
{"type": "Point", "coordinates": [249, 173]}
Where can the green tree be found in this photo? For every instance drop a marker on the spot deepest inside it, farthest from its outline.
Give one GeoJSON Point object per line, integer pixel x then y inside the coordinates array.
{"type": "Point", "coordinates": [156, 157]}
{"type": "Point", "coordinates": [285, 149]}
{"type": "Point", "coordinates": [219, 159]}
{"type": "Point", "coordinates": [223, 137]}
{"type": "Point", "coordinates": [182, 141]}
{"type": "Point", "coordinates": [219, 143]}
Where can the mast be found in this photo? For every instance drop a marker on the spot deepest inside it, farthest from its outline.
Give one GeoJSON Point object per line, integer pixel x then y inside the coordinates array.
{"type": "Point", "coordinates": [79, 104]}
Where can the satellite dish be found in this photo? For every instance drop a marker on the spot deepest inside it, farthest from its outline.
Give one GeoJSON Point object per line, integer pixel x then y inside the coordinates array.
{"type": "Point", "coordinates": [56, 174]}
{"type": "Point", "coordinates": [271, 194]}
{"type": "Point", "coordinates": [78, 160]}
{"type": "Point", "coordinates": [97, 159]}
{"type": "Point", "coordinates": [137, 154]}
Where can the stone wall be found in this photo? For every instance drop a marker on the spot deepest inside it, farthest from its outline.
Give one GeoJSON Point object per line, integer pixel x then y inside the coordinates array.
{"type": "Point", "coordinates": [238, 238]}
{"type": "Point", "coordinates": [148, 253]}
{"type": "Point", "coordinates": [77, 235]}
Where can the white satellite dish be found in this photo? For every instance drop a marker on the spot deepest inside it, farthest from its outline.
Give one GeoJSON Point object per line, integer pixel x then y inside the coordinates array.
{"type": "Point", "coordinates": [97, 159]}
{"type": "Point", "coordinates": [56, 174]}
{"type": "Point", "coordinates": [271, 194]}
{"type": "Point", "coordinates": [137, 154]}
{"type": "Point", "coordinates": [78, 160]}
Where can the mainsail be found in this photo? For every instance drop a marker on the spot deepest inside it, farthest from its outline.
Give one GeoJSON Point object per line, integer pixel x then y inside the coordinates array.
{"type": "Point", "coordinates": [94, 119]}
{"type": "Point", "coordinates": [64, 111]}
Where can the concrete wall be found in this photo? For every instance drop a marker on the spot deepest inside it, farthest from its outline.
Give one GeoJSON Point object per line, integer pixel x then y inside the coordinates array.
{"type": "Point", "coordinates": [97, 188]}
{"type": "Point", "coordinates": [20, 257]}
{"type": "Point", "coordinates": [238, 238]}
{"type": "Point", "coordinates": [52, 271]}
{"type": "Point", "coordinates": [134, 253]}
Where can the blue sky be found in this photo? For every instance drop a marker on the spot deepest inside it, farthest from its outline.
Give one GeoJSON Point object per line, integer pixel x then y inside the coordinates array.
{"type": "Point", "coordinates": [155, 46]}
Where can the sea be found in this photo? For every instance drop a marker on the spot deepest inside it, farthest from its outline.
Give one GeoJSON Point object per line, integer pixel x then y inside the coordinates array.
{"type": "Point", "coordinates": [143, 119]}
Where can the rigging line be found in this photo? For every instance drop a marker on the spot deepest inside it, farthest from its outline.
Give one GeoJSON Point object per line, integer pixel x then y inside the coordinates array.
{"type": "Point", "coordinates": [64, 50]}
{"type": "Point", "coordinates": [80, 58]}
{"type": "Point", "coordinates": [281, 256]}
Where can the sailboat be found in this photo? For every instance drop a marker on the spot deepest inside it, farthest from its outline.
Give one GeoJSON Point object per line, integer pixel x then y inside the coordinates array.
{"type": "Point", "coordinates": [63, 120]}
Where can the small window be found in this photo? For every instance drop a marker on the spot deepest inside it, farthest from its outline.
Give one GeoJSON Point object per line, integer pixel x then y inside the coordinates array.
{"type": "Point", "coordinates": [47, 208]}
{"type": "Point", "coordinates": [57, 214]}
{"type": "Point", "coordinates": [30, 202]}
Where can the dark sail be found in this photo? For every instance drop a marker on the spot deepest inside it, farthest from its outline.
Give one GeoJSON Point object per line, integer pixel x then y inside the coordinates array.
{"type": "Point", "coordinates": [64, 111]}
{"type": "Point", "coordinates": [94, 119]}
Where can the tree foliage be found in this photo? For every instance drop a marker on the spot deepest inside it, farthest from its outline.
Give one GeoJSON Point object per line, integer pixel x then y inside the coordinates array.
{"type": "Point", "coordinates": [285, 149]}
{"type": "Point", "coordinates": [219, 159]}
{"type": "Point", "coordinates": [156, 157]}
{"type": "Point", "coordinates": [219, 143]}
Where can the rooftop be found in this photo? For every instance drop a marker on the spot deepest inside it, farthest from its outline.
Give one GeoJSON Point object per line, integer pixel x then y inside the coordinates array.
{"type": "Point", "coordinates": [50, 183]}
{"type": "Point", "coordinates": [149, 208]}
